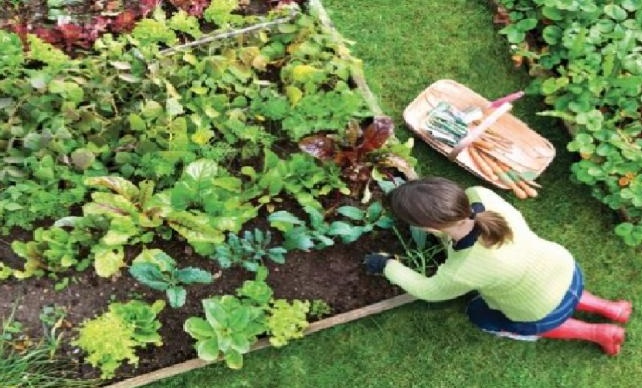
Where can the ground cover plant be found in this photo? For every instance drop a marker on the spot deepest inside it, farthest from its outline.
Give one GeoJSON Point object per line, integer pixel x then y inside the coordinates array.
{"type": "Point", "coordinates": [405, 48]}
{"type": "Point", "coordinates": [586, 62]}
{"type": "Point", "coordinates": [151, 171]}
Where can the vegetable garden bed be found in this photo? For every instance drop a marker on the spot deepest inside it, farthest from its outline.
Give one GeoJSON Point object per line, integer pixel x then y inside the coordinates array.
{"type": "Point", "coordinates": [193, 152]}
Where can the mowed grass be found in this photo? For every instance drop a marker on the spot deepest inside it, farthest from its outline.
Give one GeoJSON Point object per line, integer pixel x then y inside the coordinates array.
{"type": "Point", "coordinates": [405, 46]}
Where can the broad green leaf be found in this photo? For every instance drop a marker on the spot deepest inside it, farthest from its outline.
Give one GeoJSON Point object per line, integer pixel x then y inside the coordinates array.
{"type": "Point", "coordinates": [552, 13]}
{"type": "Point", "coordinates": [195, 227]}
{"type": "Point", "coordinates": [552, 34]}
{"type": "Point", "coordinates": [190, 275]}
{"type": "Point", "coordinates": [117, 184]}
{"type": "Point", "coordinates": [215, 312]}
{"type": "Point", "coordinates": [150, 275]}
{"type": "Point", "coordinates": [202, 136]}
{"type": "Point", "coordinates": [294, 94]}
{"type": "Point", "coordinates": [173, 107]}
{"type": "Point", "coordinates": [615, 12]}
{"type": "Point", "coordinates": [234, 359]}
{"type": "Point", "coordinates": [201, 170]}
{"type": "Point", "coordinates": [354, 213]}
{"type": "Point", "coordinates": [156, 256]}
{"type": "Point", "coordinates": [108, 260]}
{"type": "Point", "coordinates": [130, 78]}
{"type": "Point", "coordinates": [39, 80]}
{"type": "Point", "coordinates": [115, 238]}
{"type": "Point", "coordinates": [304, 73]}
{"type": "Point", "coordinates": [239, 318]}
{"type": "Point", "coordinates": [176, 296]}
{"type": "Point", "coordinates": [199, 328]}
{"type": "Point", "coordinates": [208, 349]}
{"type": "Point", "coordinates": [248, 53]}
{"type": "Point", "coordinates": [348, 233]}
{"type": "Point", "coordinates": [111, 205]}
{"type": "Point", "coordinates": [298, 238]}
{"type": "Point", "coordinates": [182, 21]}
{"type": "Point", "coordinates": [136, 123]}
{"type": "Point", "coordinates": [385, 222]}
{"type": "Point", "coordinates": [229, 183]}
{"type": "Point", "coordinates": [82, 158]}
{"type": "Point", "coordinates": [121, 65]}
{"type": "Point", "coordinates": [240, 342]}
{"type": "Point", "coordinates": [284, 220]}
{"type": "Point", "coordinates": [151, 109]}
{"type": "Point", "coordinates": [220, 11]}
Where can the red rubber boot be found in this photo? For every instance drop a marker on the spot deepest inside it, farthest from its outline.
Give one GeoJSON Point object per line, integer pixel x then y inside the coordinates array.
{"type": "Point", "coordinates": [618, 311]}
{"type": "Point", "coordinates": [608, 336]}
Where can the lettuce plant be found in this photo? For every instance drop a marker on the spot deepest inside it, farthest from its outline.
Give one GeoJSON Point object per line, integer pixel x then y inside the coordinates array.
{"type": "Point", "coordinates": [233, 323]}
{"type": "Point", "coordinates": [113, 337]}
{"type": "Point", "coordinates": [287, 321]}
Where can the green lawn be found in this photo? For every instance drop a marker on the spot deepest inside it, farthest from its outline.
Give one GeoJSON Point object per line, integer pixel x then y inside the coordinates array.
{"type": "Point", "coordinates": [405, 46]}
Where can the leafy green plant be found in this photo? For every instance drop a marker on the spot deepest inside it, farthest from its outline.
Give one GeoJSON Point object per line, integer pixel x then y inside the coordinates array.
{"type": "Point", "coordinates": [157, 270]}
{"type": "Point", "coordinates": [297, 234]}
{"type": "Point", "coordinates": [373, 216]}
{"type": "Point", "coordinates": [587, 65]}
{"type": "Point", "coordinates": [37, 190]}
{"type": "Point", "coordinates": [249, 251]}
{"type": "Point", "coordinates": [420, 253]}
{"type": "Point", "coordinates": [233, 323]}
{"type": "Point", "coordinates": [127, 326]}
{"type": "Point", "coordinates": [53, 250]}
{"type": "Point", "coordinates": [319, 308]}
{"type": "Point", "coordinates": [129, 213]}
{"type": "Point", "coordinates": [287, 321]}
{"type": "Point", "coordinates": [320, 233]}
{"type": "Point", "coordinates": [207, 194]}
{"type": "Point", "coordinates": [299, 176]}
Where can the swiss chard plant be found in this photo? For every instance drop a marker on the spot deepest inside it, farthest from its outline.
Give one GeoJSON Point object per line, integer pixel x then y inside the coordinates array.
{"type": "Point", "coordinates": [359, 151]}
{"type": "Point", "coordinates": [56, 250]}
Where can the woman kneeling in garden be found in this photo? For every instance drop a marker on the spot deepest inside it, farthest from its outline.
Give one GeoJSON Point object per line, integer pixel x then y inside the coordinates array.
{"type": "Point", "coordinates": [527, 287]}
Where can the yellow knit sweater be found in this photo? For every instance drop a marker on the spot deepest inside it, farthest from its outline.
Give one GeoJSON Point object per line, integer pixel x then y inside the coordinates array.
{"type": "Point", "coordinates": [525, 279]}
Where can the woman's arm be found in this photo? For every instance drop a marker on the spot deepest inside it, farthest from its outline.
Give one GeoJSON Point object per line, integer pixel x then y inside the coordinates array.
{"type": "Point", "coordinates": [438, 287]}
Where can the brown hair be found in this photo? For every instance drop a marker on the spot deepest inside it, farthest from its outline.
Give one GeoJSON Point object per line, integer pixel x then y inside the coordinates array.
{"type": "Point", "coordinates": [436, 203]}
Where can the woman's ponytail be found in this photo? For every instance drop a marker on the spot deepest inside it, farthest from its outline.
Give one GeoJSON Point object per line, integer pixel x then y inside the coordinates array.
{"type": "Point", "coordinates": [493, 227]}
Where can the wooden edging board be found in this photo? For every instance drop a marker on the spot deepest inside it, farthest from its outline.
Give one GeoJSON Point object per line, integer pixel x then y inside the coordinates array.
{"type": "Point", "coordinates": [338, 319]}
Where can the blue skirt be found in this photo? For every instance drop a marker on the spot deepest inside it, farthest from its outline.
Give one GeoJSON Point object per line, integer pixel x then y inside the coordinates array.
{"type": "Point", "coordinates": [495, 321]}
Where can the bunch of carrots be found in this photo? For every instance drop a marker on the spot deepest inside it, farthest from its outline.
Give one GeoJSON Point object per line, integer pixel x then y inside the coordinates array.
{"type": "Point", "coordinates": [482, 152]}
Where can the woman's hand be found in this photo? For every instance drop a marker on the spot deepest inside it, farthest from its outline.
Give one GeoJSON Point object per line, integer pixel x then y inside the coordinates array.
{"type": "Point", "coordinates": [376, 262]}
